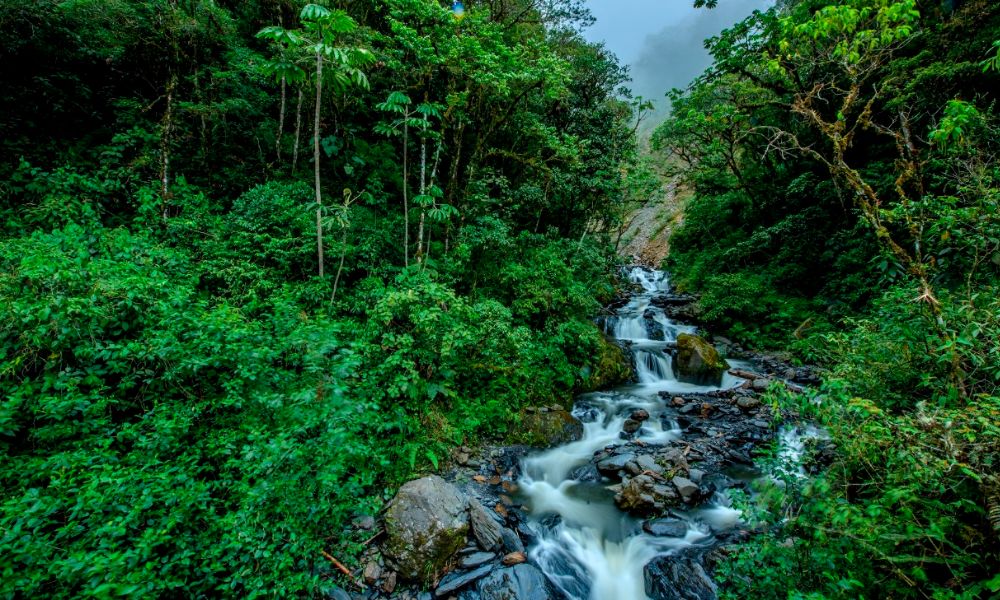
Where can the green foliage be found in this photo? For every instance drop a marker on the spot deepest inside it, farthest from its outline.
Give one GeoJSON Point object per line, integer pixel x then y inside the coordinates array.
{"type": "Point", "coordinates": [186, 409]}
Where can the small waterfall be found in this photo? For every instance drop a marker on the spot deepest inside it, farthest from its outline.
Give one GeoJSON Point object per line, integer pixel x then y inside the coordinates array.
{"type": "Point", "coordinates": [586, 546]}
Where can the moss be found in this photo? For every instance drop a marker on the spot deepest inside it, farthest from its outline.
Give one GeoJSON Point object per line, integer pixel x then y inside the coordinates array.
{"type": "Point", "coordinates": [612, 367]}
{"type": "Point", "coordinates": [543, 428]}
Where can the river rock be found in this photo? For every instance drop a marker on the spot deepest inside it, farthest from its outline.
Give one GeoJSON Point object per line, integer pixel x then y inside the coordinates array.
{"type": "Point", "coordinates": [748, 402]}
{"type": "Point", "coordinates": [631, 426]}
{"type": "Point", "coordinates": [514, 558]}
{"type": "Point", "coordinates": [476, 559]}
{"type": "Point", "coordinates": [550, 428]}
{"type": "Point", "coordinates": [679, 578]}
{"type": "Point", "coordinates": [520, 582]}
{"type": "Point", "coordinates": [686, 488]}
{"type": "Point", "coordinates": [484, 527]}
{"type": "Point", "coordinates": [612, 465]}
{"type": "Point", "coordinates": [339, 594]}
{"type": "Point", "coordinates": [425, 524]}
{"type": "Point", "coordinates": [674, 528]}
{"type": "Point", "coordinates": [457, 580]}
{"type": "Point", "coordinates": [646, 462]}
{"type": "Point", "coordinates": [698, 361]}
{"type": "Point", "coordinates": [645, 495]}
{"type": "Point", "coordinates": [511, 541]}
{"type": "Point", "coordinates": [640, 415]}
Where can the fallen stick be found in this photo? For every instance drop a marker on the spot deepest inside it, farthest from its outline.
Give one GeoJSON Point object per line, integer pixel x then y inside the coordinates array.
{"type": "Point", "coordinates": [340, 567]}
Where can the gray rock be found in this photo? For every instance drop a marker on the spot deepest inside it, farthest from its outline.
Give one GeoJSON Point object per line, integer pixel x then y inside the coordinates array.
{"type": "Point", "coordinates": [484, 527]}
{"type": "Point", "coordinates": [631, 426]}
{"type": "Point", "coordinates": [679, 578]}
{"type": "Point", "coordinates": [511, 541]}
{"type": "Point", "coordinates": [646, 462]}
{"type": "Point", "coordinates": [474, 560]}
{"type": "Point", "coordinates": [426, 523]}
{"type": "Point", "coordinates": [674, 528]}
{"type": "Point", "coordinates": [696, 475]}
{"type": "Point", "coordinates": [520, 582]}
{"type": "Point", "coordinates": [761, 384]}
{"type": "Point", "coordinates": [748, 402]}
{"type": "Point", "coordinates": [457, 580]}
{"type": "Point", "coordinates": [687, 488]}
{"type": "Point", "coordinates": [611, 466]}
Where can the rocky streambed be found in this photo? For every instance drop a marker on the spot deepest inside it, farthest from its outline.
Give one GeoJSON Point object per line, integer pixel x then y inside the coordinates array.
{"type": "Point", "coordinates": [631, 500]}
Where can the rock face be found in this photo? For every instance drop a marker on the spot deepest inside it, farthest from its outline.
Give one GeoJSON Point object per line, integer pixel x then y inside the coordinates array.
{"type": "Point", "coordinates": [520, 582]}
{"type": "Point", "coordinates": [679, 578]}
{"type": "Point", "coordinates": [546, 427]}
{"type": "Point", "coordinates": [425, 524]}
{"type": "Point", "coordinates": [698, 361]}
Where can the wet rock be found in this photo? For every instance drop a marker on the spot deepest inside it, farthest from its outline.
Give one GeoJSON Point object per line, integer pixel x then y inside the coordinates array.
{"type": "Point", "coordinates": [426, 523]}
{"type": "Point", "coordinates": [511, 541]}
{"type": "Point", "coordinates": [550, 428]}
{"type": "Point", "coordinates": [587, 472]}
{"type": "Point", "coordinates": [520, 582]}
{"type": "Point", "coordinates": [674, 528]}
{"type": "Point", "coordinates": [631, 426]}
{"type": "Point", "coordinates": [686, 488]}
{"type": "Point", "coordinates": [474, 560]}
{"type": "Point", "coordinates": [645, 495]}
{"type": "Point", "coordinates": [514, 558]}
{"type": "Point", "coordinates": [748, 402]}
{"type": "Point", "coordinates": [698, 362]}
{"type": "Point", "coordinates": [484, 527]}
{"type": "Point", "coordinates": [457, 580]}
{"type": "Point", "coordinates": [696, 475]}
{"type": "Point", "coordinates": [640, 415]}
{"type": "Point", "coordinates": [760, 385]}
{"type": "Point", "coordinates": [610, 466]}
{"type": "Point", "coordinates": [679, 578]}
{"type": "Point", "coordinates": [646, 462]}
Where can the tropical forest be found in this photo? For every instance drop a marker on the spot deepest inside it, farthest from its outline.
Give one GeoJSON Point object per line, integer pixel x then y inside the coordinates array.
{"type": "Point", "coordinates": [421, 299]}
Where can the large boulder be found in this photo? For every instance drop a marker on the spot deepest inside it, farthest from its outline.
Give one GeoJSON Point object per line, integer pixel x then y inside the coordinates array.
{"type": "Point", "coordinates": [698, 361]}
{"type": "Point", "coordinates": [679, 578]}
{"type": "Point", "coordinates": [425, 524]}
{"type": "Point", "coordinates": [520, 582]}
{"type": "Point", "coordinates": [612, 366]}
{"type": "Point", "coordinates": [546, 427]}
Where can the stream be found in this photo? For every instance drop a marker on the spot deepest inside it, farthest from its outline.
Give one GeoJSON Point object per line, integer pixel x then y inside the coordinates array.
{"type": "Point", "coordinates": [586, 546]}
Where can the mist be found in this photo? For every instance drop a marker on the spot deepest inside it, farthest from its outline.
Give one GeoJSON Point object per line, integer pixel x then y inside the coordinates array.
{"type": "Point", "coordinates": [663, 41]}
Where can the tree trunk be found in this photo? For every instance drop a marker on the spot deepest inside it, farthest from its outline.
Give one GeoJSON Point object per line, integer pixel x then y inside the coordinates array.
{"type": "Point", "coordinates": [406, 198]}
{"type": "Point", "coordinates": [166, 136]}
{"type": "Point", "coordinates": [319, 195]}
{"type": "Point", "coordinates": [423, 192]}
{"type": "Point", "coordinates": [298, 132]}
{"type": "Point", "coordinates": [281, 119]}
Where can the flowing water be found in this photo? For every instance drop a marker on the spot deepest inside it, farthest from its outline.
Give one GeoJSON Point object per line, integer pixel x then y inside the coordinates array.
{"type": "Point", "coordinates": [587, 547]}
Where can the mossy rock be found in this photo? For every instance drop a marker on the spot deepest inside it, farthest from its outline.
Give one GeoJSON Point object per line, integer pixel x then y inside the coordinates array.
{"type": "Point", "coordinates": [425, 524]}
{"type": "Point", "coordinates": [612, 367]}
{"type": "Point", "coordinates": [698, 362]}
{"type": "Point", "coordinates": [547, 427]}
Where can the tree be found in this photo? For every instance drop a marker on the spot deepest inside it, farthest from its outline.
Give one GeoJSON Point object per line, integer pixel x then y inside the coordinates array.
{"type": "Point", "coordinates": [321, 28]}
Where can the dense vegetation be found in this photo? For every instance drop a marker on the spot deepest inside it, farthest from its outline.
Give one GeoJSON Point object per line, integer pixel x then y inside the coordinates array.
{"type": "Point", "coordinates": [263, 260]}
{"type": "Point", "coordinates": [844, 160]}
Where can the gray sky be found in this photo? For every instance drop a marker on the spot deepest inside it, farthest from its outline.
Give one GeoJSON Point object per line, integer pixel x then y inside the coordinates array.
{"type": "Point", "coordinates": [662, 40]}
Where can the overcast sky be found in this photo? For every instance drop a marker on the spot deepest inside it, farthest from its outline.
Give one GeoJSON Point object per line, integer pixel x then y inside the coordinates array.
{"type": "Point", "coordinates": [662, 40]}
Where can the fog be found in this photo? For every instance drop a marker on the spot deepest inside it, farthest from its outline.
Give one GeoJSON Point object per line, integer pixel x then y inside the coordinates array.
{"type": "Point", "coordinates": [662, 41]}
